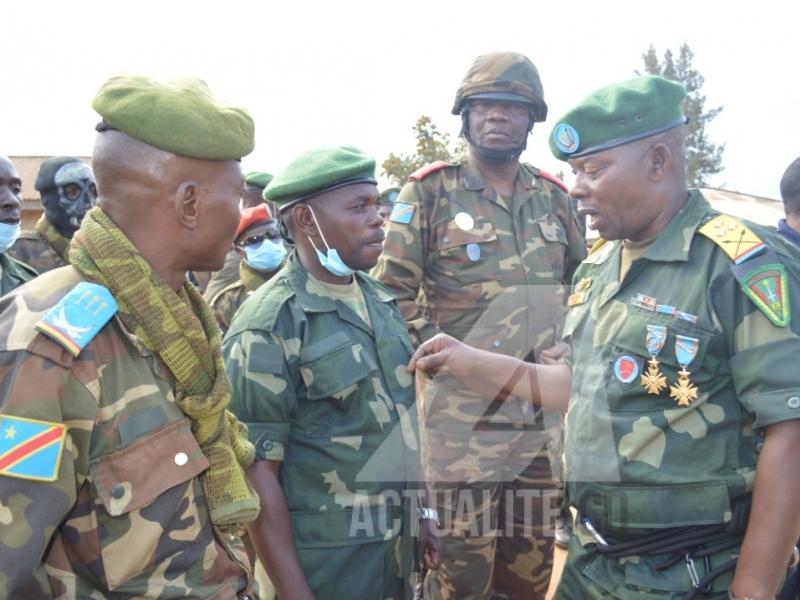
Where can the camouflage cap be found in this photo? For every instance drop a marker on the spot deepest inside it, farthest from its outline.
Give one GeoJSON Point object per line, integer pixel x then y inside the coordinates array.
{"type": "Point", "coordinates": [618, 114]}
{"type": "Point", "coordinates": [258, 179]}
{"type": "Point", "coordinates": [503, 76]}
{"type": "Point", "coordinates": [320, 170]}
{"type": "Point", "coordinates": [389, 195]}
{"type": "Point", "coordinates": [181, 116]}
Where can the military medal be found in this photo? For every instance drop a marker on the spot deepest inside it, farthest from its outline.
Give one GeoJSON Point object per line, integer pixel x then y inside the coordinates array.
{"type": "Point", "coordinates": [653, 380]}
{"type": "Point", "coordinates": [685, 350]}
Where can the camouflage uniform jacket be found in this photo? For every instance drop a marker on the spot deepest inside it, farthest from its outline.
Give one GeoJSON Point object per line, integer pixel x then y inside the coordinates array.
{"type": "Point", "coordinates": [468, 266]}
{"type": "Point", "coordinates": [126, 514]}
{"type": "Point", "coordinates": [32, 249]}
{"type": "Point", "coordinates": [329, 396]}
{"type": "Point", "coordinates": [227, 275]}
{"type": "Point", "coordinates": [13, 273]}
{"type": "Point", "coordinates": [637, 460]}
{"type": "Point", "coordinates": [227, 301]}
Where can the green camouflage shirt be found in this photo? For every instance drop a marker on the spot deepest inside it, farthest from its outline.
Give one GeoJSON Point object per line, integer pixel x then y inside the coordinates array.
{"type": "Point", "coordinates": [329, 396]}
{"type": "Point", "coordinates": [126, 515]}
{"type": "Point", "coordinates": [478, 267]}
{"type": "Point", "coordinates": [226, 302]}
{"type": "Point", "coordinates": [32, 249]}
{"type": "Point", "coordinates": [13, 273]}
{"type": "Point", "coordinates": [640, 460]}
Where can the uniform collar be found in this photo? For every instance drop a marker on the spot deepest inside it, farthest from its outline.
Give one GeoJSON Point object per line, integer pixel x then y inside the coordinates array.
{"type": "Point", "coordinates": [789, 232]}
{"type": "Point", "coordinates": [472, 179]}
{"type": "Point", "coordinates": [673, 244]}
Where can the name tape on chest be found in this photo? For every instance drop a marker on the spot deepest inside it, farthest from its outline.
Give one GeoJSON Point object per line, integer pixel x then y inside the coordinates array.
{"type": "Point", "coordinates": [79, 316]}
{"type": "Point", "coordinates": [30, 449]}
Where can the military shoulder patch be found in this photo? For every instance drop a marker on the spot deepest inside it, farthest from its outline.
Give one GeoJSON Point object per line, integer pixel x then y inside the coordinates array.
{"type": "Point", "coordinates": [79, 316]}
{"type": "Point", "coordinates": [734, 237]}
{"type": "Point", "coordinates": [766, 287]}
{"type": "Point", "coordinates": [423, 172]}
{"type": "Point", "coordinates": [553, 179]}
{"type": "Point", "coordinates": [402, 212]}
{"type": "Point", "coordinates": [30, 449]}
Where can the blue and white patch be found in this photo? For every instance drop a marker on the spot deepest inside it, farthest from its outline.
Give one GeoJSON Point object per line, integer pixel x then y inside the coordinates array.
{"type": "Point", "coordinates": [626, 368]}
{"type": "Point", "coordinates": [566, 138]}
{"type": "Point", "coordinates": [473, 252]}
{"type": "Point", "coordinates": [79, 316]}
{"type": "Point", "coordinates": [402, 212]}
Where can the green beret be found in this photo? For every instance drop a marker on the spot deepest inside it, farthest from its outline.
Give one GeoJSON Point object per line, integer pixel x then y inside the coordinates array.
{"type": "Point", "coordinates": [618, 114]}
{"type": "Point", "coordinates": [181, 116]}
{"type": "Point", "coordinates": [389, 195]}
{"type": "Point", "coordinates": [258, 179]}
{"type": "Point", "coordinates": [318, 171]}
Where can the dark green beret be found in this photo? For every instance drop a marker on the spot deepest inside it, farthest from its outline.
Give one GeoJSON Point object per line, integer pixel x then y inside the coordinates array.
{"type": "Point", "coordinates": [181, 116]}
{"type": "Point", "coordinates": [258, 179]}
{"type": "Point", "coordinates": [389, 195]}
{"type": "Point", "coordinates": [318, 171]}
{"type": "Point", "coordinates": [618, 114]}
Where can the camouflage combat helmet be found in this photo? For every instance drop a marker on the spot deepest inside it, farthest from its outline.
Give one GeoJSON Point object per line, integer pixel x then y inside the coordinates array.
{"type": "Point", "coordinates": [503, 76]}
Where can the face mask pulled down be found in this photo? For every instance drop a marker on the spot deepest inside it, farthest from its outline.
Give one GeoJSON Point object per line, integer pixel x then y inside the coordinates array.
{"type": "Point", "coordinates": [331, 261]}
{"type": "Point", "coordinates": [8, 235]}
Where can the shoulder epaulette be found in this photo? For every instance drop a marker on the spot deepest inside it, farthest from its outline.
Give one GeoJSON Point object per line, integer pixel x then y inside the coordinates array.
{"type": "Point", "coordinates": [79, 316]}
{"type": "Point", "coordinates": [423, 172]}
{"type": "Point", "coordinates": [597, 245]}
{"type": "Point", "coordinates": [758, 269]}
{"type": "Point", "coordinates": [553, 179]}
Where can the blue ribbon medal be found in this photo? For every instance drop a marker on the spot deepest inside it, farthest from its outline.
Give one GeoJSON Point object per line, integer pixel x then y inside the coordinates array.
{"type": "Point", "coordinates": [685, 352]}
{"type": "Point", "coordinates": [653, 380]}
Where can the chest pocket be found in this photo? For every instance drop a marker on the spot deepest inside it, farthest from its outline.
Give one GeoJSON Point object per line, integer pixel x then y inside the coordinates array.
{"type": "Point", "coordinates": [148, 499]}
{"type": "Point", "coordinates": [470, 255]}
{"type": "Point", "coordinates": [555, 237]}
{"type": "Point", "coordinates": [335, 373]}
{"type": "Point", "coordinates": [629, 348]}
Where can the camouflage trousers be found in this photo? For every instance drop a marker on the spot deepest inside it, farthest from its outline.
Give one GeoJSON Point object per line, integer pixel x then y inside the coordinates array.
{"type": "Point", "coordinates": [589, 575]}
{"type": "Point", "coordinates": [497, 536]}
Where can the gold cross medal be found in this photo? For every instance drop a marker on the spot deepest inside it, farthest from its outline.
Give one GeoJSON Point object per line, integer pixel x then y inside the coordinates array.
{"type": "Point", "coordinates": [685, 350]}
{"type": "Point", "coordinates": [653, 380]}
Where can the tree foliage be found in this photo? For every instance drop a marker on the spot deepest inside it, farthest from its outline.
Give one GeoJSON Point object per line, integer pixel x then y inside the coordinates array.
{"type": "Point", "coordinates": [432, 145]}
{"type": "Point", "coordinates": [703, 158]}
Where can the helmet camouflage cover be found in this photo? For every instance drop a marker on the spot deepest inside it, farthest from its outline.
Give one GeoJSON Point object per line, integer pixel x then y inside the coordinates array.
{"type": "Point", "coordinates": [503, 76]}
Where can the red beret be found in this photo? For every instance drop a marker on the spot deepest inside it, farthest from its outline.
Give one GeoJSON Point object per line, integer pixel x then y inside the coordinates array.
{"type": "Point", "coordinates": [252, 216]}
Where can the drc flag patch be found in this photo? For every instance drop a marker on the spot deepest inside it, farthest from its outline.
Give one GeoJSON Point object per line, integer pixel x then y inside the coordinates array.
{"type": "Point", "coordinates": [30, 449]}
{"type": "Point", "coordinates": [79, 316]}
{"type": "Point", "coordinates": [402, 213]}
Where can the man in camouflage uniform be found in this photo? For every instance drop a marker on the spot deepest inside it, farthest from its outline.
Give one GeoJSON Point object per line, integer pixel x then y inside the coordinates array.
{"type": "Point", "coordinates": [479, 249]}
{"type": "Point", "coordinates": [262, 252]}
{"type": "Point", "coordinates": [68, 190]}
{"type": "Point", "coordinates": [388, 197]}
{"type": "Point", "coordinates": [255, 182]}
{"type": "Point", "coordinates": [113, 483]}
{"type": "Point", "coordinates": [317, 356]}
{"type": "Point", "coordinates": [12, 273]}
{"type": "Point", "coordinates": [685, 400]}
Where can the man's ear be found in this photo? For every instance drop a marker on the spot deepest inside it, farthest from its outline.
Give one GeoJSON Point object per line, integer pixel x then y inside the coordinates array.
{"type": "Point", "coordinates": [660, 162]}
{"type": "Point", "coordinates": [303, 221]}
{"type": "Point", "coordinates": [187, 204]}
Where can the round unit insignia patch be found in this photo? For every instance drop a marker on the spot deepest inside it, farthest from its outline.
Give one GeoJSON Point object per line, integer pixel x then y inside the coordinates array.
{"type": "Point", "coordinates": [566, 138]}
{"type": "Point", "coordinates": [626, 368]}
{"type": "Point", "coordinates": [464, 221]}
{"type": "Point", "coordinates": [474, 252]}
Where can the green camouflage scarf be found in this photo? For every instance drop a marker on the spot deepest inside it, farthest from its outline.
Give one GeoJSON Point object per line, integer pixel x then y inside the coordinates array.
{"type": "Point", "coordinates": [58, 242]}
{"type": "Point", "coordinates": [251, 278]}
{"type": "Point", "coordinates": [180, 329]}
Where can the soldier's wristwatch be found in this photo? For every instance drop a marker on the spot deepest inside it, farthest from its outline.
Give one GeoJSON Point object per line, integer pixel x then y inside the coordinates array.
{"type": "Point", "coordinates": [430, 514]}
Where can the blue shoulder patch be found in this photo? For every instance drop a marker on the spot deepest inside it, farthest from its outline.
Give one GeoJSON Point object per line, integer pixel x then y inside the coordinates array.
{"type": "Point", "coordinates": [79, 316]}
{"type": "Point", "coordinates": [402, 212]}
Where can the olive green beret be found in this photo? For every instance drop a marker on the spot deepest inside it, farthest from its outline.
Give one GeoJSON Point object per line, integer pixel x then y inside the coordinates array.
{"type": "Point", "coordinates": [318, 171]}
{"type": "Point", "coordinates": [181, 116]}
{"type": "Point", "coordinates": [389, 195]}
{"type": "Point", "coordinates": [258, 179]}
{"type": "Point", "coordinates": [618, 114]}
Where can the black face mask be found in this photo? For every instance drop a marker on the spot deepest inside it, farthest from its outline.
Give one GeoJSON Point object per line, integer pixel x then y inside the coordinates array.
{"type": "Point", "coordinates": [68, 192]}
{"type": "Point", "coordinates": [496, 156]}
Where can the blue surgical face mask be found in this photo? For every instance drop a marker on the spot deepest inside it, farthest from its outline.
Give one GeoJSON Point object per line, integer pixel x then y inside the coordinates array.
{"type": "Point", "coordinates": [8, 235]}
{"type": "Point", "coordinates": [265, 255]}
{"type": "Point", "coordinates": [332, 261]}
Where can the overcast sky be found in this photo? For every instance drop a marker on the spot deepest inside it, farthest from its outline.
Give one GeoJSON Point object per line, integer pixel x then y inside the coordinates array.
{"type": "Point", "coordinates": [360, 73]}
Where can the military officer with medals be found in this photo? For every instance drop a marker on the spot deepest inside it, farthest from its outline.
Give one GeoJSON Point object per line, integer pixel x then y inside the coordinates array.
{"type": "Point", "coordinates": [683, 430]}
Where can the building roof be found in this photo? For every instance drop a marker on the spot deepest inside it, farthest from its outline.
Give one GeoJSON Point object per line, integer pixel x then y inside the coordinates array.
{"type": "Point", "coordinates": [28, 168]}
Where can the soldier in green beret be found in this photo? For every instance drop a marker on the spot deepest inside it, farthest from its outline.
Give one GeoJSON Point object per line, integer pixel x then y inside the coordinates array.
{"type": "Point", "coordinates": [317, 358]}
{"type": "Point", "coordinates": [683, 429]}
{"type": "Point", "coordinates": [13, 273]}
{"type": "Point", "coordinates": [388, 197]}
{"type": "Point", "coordinates": [121, 471]}
{"type": "Point", "coordinates": [481, 249]}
